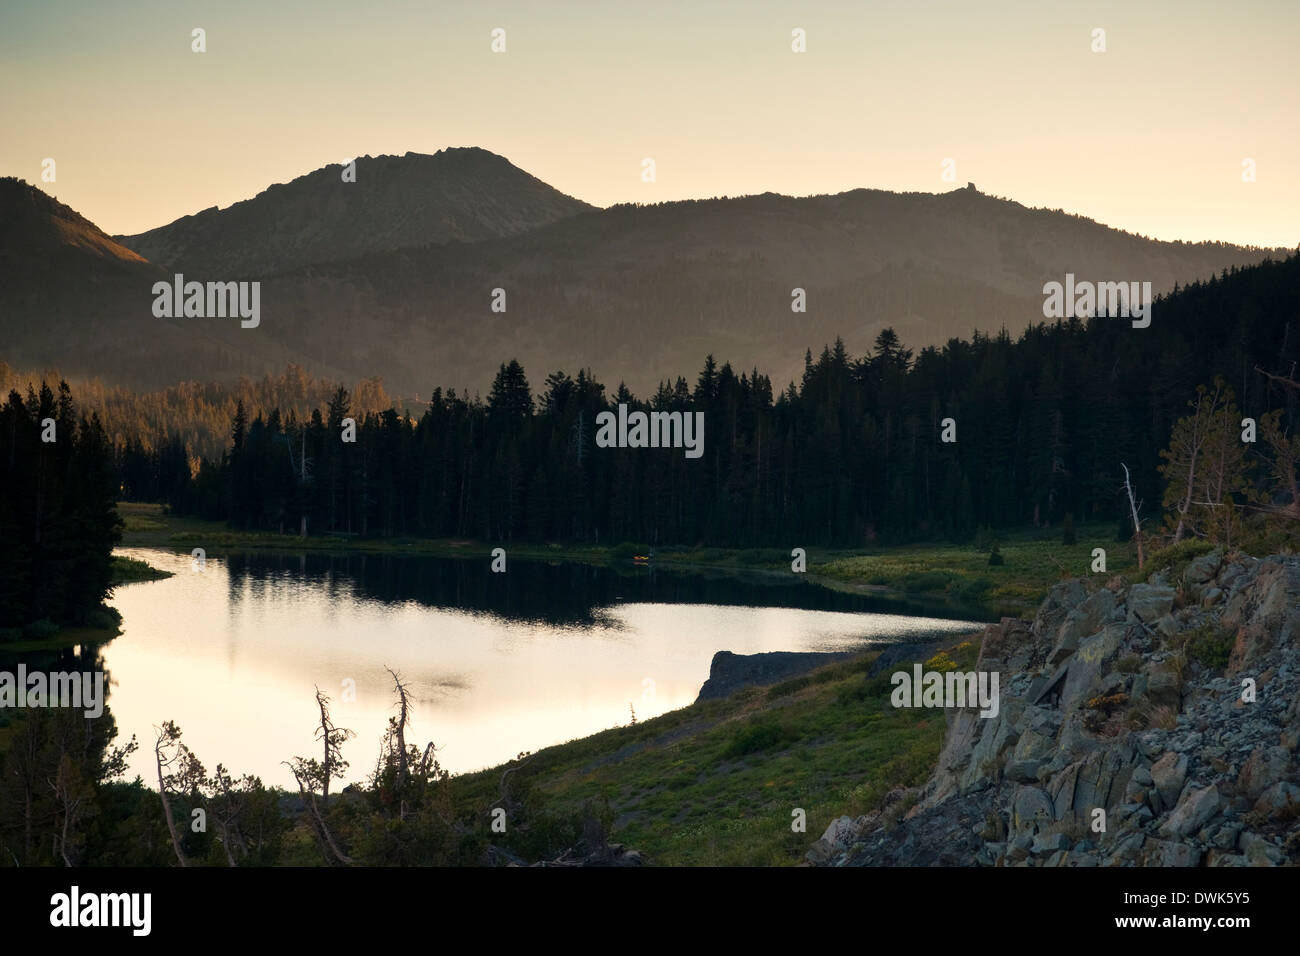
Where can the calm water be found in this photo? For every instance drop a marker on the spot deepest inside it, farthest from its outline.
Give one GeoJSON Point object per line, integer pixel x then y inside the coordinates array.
{"type": "Point", "coordinates": [497, 663]}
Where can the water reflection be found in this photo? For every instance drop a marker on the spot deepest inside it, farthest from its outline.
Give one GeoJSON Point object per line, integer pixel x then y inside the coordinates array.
{"type": "Point", "coordinates": [498, 663]}
{"type": "Point", "coordinates": [542, 592]}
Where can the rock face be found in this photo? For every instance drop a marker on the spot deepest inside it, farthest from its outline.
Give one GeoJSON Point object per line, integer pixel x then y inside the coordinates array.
{"type": "Point", "coordinates": [1122, 737]}
{"type": "Point", "coordinates": [730, 672]}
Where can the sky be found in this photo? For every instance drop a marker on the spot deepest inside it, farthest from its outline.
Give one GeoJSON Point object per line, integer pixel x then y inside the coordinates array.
{"type": "Point", "coordinates": [1148, 136]}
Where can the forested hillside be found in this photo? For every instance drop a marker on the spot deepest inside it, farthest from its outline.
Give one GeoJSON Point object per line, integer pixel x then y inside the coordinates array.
{"type": "Point", "coordinates": [852, 453]}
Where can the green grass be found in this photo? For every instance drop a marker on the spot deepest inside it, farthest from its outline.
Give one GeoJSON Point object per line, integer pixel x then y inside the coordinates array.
{"type": "Point", "coordinates": [716, 783]}
{"type": "Point", "coordinates": [132, 570]}
{"type": "Point", "coordinates": [1034, 561]}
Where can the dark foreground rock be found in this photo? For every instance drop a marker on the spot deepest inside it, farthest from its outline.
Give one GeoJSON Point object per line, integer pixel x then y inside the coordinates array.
{"type": "Point", "coordinates": [1151, 725]}
{"type": "Point", "coordinates": [730, 672]}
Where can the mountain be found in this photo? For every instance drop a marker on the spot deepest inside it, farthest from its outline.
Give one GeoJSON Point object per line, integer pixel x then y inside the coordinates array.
{"type": "Point", "coordinates": [73, 299]}
{"type": "Point", "coordinates": [459, 195]}
{"type": "Point", "coordinates": [641, 293]}
{"type": "Point", "coordinates": [635, 292]}
{"type": "Point", "coordinates": [48, 234]}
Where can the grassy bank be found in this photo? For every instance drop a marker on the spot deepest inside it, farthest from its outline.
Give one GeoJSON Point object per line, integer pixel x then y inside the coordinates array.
{"type": "Point", "coordinates": [717, 783]}
{"type": "Point", "coordinates": [1033, 560]}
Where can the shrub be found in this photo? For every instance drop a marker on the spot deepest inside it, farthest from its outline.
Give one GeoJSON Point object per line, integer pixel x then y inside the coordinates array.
{"type": "Point", "coordinates": [758, 735]}
{"type": "Point", "coordinates": [941, 662]}
{"type": "Point", "coordinates": [1128, 664]}
{"type": "Point", "coordinates": [104, 618]}
{"type": "Point", "coordinates": [924, 581]}
{"type": "Point", "coordinates": [974, 590]}
{"type": "Point", "coordinates": [1211, 647]}
{"type": "Point", "coordinates": [876, 688]}
{"type": "Point", "coordinates": [1177, 556]}
{"type": "Point", "coordinates": [1164, 717]}
{"type": "Point", "coordinates": [785, 688]}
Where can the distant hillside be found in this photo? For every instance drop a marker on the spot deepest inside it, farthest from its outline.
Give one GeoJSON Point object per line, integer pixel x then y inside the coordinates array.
{"type": "Point", "coordinates": [74, 299]}
{"type": "Point", "coordinates": [456, 194]}
{"type": "Point", "coordinates": [635, 292]}
{"type": "Point", "coordinates": [39, 228]}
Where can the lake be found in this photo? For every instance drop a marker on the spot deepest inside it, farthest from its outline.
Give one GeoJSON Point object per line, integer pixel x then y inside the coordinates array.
{"type": "Point", "coordinates": [496, 663]}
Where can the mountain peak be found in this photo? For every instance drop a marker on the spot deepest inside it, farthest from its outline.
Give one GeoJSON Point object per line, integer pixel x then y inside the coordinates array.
{"type": "Point", "coordinates": [461, 194]}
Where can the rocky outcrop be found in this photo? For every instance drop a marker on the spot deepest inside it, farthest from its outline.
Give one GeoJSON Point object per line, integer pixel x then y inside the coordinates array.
{"type": "Point", "coordinates": [730, 672]}
{"type": "Point", "coordinates": [1155, 724]}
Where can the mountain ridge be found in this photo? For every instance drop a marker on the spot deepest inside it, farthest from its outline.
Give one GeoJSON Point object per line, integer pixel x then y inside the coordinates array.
{"type": "Point", "coordinates": [457, 194]}
{"type": "Point", "coordinates": [634, 291]}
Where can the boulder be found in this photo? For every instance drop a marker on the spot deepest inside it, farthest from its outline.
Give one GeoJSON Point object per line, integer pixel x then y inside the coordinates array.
{"type": "Point", "coordinates": [1085, 619]}
{"type": "Point", "coordinates": [1031, 811]}
{"type": "Point", "coordinates": [1164, 685]}
{"type": "Point", "coordinates": [1049, 843]}
{"type": "Point", "coordinates": [1263, 768]}
{"type": "Point", "coordinates": [1149, 602]}
{"type": "Point", "coordinates": [1168, 774]}
{"type": "Point", "coordinates": [1280, 800]}
{"type": "Point", "coordinates": [1203, 568]}
{"type": "Point", "coordinates": [1086, 665]}
{"type": "Point", "coordinates": [1194, 810]}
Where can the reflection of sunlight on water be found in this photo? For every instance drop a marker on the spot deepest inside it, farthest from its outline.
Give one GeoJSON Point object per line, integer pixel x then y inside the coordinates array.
{"type": "Point", "coordinates": [236, 665]}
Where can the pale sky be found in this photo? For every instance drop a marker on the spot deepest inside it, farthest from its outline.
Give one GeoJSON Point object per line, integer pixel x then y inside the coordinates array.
{"type": "Point", "coordinates": [1149, 136]}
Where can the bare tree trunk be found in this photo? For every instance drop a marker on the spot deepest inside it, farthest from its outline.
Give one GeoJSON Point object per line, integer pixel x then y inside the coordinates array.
{"type": "Point", "coordinates": [325, 735]}
{"type": "Point", "coordinates": [167, 806]}
{"type": "Point", "coordinates": [399, 731]}
{"type": "Point", "coordinates": [1288, 382]}
{"type": "Point", "coordinates": [318, 822]}
{"type": "Point", "coordinates": [1137, 526]}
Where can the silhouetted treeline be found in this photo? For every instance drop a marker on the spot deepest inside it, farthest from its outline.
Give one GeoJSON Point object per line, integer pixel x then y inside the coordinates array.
{"type": "Point", "coordinates": [58, 519]}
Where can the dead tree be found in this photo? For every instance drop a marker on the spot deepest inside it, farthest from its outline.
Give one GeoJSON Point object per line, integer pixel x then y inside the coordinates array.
{"type": "Point", "coordinates": [311, 774]}
{"type": "Point", "coordinates": [168, 735]}
{"type": "Point", "coordinates": [332, 739]}
{"type": "Point", "coordinates": [1287, 382]}
{"type": "Point", "coordinates": [1133, 509]}
{"type": "Point", "coordinates": [398, 728]}
{"type": "Point", "coordinates": [71, 794]}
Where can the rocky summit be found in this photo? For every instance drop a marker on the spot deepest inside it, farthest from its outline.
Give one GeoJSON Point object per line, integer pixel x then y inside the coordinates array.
{"type": "Point", "coordinates": [1146, 725]}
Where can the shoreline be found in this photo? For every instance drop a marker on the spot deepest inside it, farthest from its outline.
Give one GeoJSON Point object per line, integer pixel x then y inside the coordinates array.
{"type": "Point", "coordinates": [939, 578]}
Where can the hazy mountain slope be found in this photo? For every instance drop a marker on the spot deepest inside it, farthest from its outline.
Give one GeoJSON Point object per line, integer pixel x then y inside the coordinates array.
{"type": "Point", "coordinates": [396, 201]}
{"type": "Point", "coordinates": [73, 299]}
{"type": "Point", "coordinates": [641, 293]}
{"type": "Point", "coordinates": [637, 293]}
